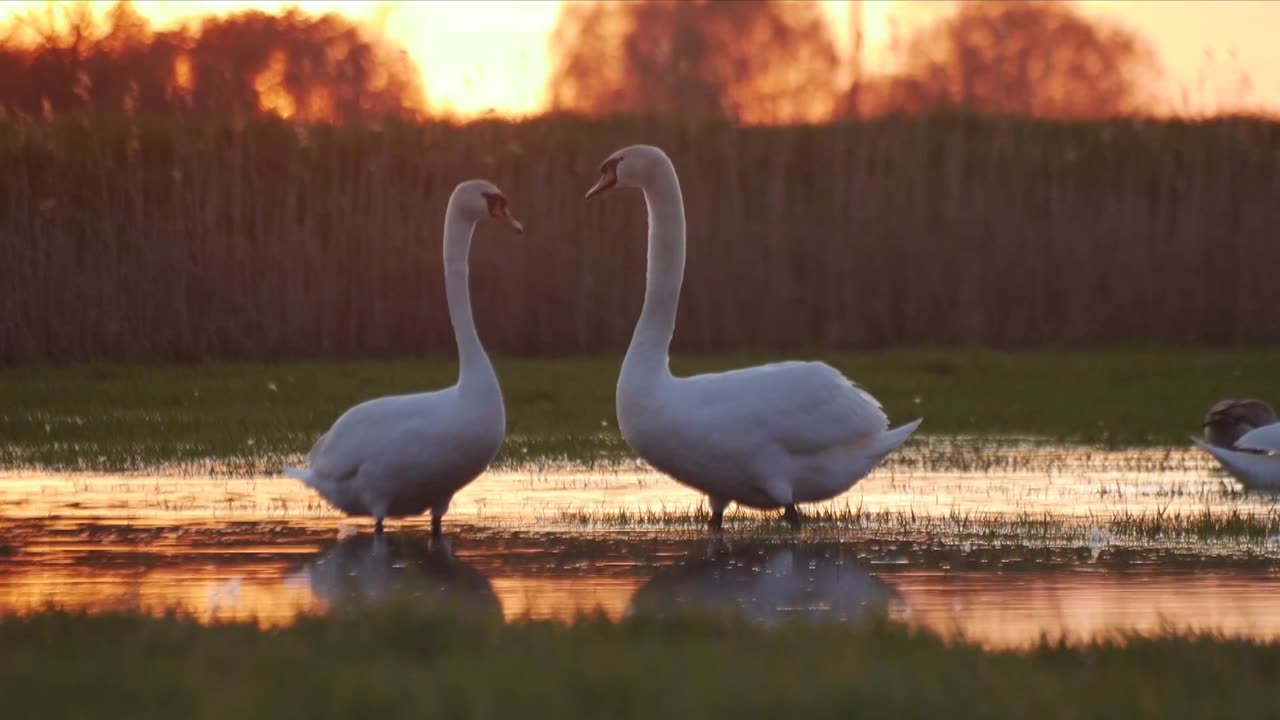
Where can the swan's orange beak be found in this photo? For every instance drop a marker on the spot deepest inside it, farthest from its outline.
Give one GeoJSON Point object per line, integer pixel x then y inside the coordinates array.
{"type": "Point", "coordinates": [499, 210]}
{"type": "Point", "coordinates": [608, 177]}
{"type": "Point", "coordinates": [514, 223]}
{"type": "Point", "coordinates": [607, 180]}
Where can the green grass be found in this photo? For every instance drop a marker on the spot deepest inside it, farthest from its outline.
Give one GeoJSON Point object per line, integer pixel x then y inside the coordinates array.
{"type": "Point", "coordinates": [415, 664]}
{"type": "Point", "coordinates": [251, 418]}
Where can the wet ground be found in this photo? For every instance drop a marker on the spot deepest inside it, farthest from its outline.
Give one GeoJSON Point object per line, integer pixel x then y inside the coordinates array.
{"type": "Point", "coordinates": [1021, 544]}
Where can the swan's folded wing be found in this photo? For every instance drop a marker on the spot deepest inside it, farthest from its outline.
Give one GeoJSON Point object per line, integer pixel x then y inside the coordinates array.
{"type": "Point", "coordinates": [1263, 439]}
{"type": "Point", "coordinates": [316, 449]}
{"type": "Point", "coordinates": [361, 432]}
{"type": "Point", "coordinates": [806, 407]}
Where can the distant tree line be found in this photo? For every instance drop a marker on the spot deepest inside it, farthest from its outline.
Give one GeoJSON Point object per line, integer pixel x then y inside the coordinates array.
{"type": "Point", "coordinates": [777, 62]}
{"type": "Point", "coordinates": [752, 62]}
{"type": "Point", "coordinates": [63, 58]}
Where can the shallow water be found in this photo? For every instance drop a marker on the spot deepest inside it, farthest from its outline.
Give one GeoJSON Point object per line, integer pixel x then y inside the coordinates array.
{"type": "Point", "coordinates": [1062, 483]}
{"type": "Point", "coordinates": [554, 544]}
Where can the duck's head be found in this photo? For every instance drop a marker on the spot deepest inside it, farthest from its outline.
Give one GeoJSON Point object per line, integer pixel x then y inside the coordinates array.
{"type": "Point", "coordinates": [632, 166]}
{"type": "Point", "coordinates": [482, 200]}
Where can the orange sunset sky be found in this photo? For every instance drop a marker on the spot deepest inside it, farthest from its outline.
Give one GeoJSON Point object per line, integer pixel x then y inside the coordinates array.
{"type": "Point", "coordinates": [480, 56]}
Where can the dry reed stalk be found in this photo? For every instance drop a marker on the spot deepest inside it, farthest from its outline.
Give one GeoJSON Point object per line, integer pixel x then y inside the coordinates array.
{"type": "Point", "coordinates": [138, 239]}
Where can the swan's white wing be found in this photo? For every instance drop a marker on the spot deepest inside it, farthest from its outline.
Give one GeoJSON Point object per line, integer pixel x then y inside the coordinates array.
{"type": "Point", "coordinates": [365, 431]}
{"type": "Point", "coordinates": [316, 448]}
{"type": "Point", "coordinates": [806, 407]}
{"type": "Point", "coordinates": [1256, 471]}
{"type": "Point", "coordinates": [1265, 439]}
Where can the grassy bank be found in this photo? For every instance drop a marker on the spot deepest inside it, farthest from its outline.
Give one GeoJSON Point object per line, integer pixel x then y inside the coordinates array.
{"type": "Point", "coordinates": [410, 664]}
{"type": "Point", "coordinates": [158, 241]}
{"type": "Point", "coordinates": [250, 418]}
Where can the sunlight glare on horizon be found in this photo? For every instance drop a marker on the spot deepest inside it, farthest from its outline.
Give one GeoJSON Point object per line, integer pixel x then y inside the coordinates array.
{"type": "Point", "coordinates": [475, 56]}
{"type": "Point", "coordinates": [490, 56]}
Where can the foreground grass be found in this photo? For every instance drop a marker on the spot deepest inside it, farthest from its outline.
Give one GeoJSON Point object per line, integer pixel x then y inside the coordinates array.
{"type": "Point", "coordinates": [251, 418]}
{"type": "Point", "coordinates": [392, 664]}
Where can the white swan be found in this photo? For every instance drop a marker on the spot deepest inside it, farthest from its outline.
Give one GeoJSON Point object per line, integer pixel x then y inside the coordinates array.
{"type": "Point", "coordinates": [401, 455]}
{"type": "Point", "coordinates": [1244, 437]}
{"type": "Point", "coordinates": [765, 437]}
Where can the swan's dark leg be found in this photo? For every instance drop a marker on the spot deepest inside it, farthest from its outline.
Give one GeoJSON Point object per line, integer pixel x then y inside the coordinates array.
{"type": "Point", "coordinates": [437, 513]}
{"type": "Point", "coordinates": [377, 525]}
{"type": "Point", "coordinates": [792, 516]}
{"type": "Point", "coordinates": [717, 514]}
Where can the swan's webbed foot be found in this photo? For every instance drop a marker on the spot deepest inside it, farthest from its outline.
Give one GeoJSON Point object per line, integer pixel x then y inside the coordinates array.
{"type": "Point", "coordinates": [441, 547]}
{"type": "Point", "coordinates": [716, 546]}
{"type": "Point", "coordinates": [792, 516]}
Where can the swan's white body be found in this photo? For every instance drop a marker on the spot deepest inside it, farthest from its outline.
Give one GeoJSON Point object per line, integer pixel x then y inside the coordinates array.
{"type": "Point", "coordinates": [401, 455]}
{"type": "Point", "coordinates": [1255, 458]}
{"type": "Point", "coordinates": [765, 437]}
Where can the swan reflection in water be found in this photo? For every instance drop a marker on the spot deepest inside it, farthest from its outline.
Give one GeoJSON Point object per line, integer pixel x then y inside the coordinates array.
{"type": "Point", "coordinates": [382, 568]}
{"type": "Point", "coordinates": [769, 584]}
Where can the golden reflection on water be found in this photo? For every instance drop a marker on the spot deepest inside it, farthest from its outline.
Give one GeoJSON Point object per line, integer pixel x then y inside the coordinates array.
{"type": "Point", "coordinates": [999, 610]}
{"type": "Point", "coordinates": [267, 549]}
{"type": "Point", "coordinates": [208, 593]}
{"type": "Point", "coordinates": [271, 595]}
{"type": "Point", "coordinates": [996, 610]}
{"type": "Point", "coordinates": [564, 598]}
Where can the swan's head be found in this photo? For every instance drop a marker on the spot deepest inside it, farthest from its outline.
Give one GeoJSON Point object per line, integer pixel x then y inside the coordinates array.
{"type": "Point", "coordinates": [482, 200]}
{"type": "Point", "coordinates": [1228, 420]}
{"type": "Point", "coordinates": [634, 166]}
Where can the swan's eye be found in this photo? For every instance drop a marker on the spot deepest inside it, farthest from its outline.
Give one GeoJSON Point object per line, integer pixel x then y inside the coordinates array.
{"type": "Point", "coordinates": [497, 204]}
{"type": "Point", "coordinates": [610, 166]}
{"type": "Point", "coordinates": [608, 177]}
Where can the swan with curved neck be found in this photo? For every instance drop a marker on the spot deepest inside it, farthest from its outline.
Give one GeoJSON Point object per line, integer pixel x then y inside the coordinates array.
{"type": "Point", "coordinates": [765, 437]}
{"type": "Point", "coordinates": [401, 455]}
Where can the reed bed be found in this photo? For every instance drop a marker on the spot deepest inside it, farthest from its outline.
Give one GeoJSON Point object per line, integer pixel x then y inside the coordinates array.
{"type": "Point", "coordinates": [138, 239]}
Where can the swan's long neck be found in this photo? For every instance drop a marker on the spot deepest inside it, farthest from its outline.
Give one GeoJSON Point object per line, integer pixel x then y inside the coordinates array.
{"type": "Point", "coordinates": [473, 363]}
{"type": "Point", "coordinates": [651, 342]}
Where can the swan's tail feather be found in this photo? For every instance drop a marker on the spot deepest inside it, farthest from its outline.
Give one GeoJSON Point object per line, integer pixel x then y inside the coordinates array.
{"type": "Point", "coordinates": [1254, 470]}
{"type": "Point", "coordinates": [299, 474]}
{"type": "Point", "coordinates": [1211, 449]}
{"type": "Point", "coordinates": [1223, 455]}
{"type": "Point", "coordinates": [891, 440]}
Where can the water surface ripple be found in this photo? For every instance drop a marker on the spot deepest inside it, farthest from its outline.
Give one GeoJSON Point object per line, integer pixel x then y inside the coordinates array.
{"type": "Point", "coordinates": [1066, 543]}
